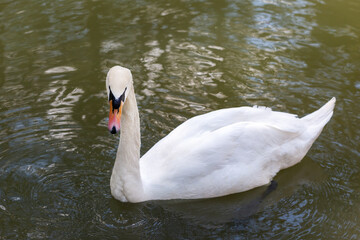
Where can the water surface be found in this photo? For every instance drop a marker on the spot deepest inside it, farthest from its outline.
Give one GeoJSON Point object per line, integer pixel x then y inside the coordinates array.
{"type": "Point", "coordinates": [187, 58]}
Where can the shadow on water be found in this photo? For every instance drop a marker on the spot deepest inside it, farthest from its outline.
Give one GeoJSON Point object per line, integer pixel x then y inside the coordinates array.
{"type": "Point", "coordinates": [222, 210]}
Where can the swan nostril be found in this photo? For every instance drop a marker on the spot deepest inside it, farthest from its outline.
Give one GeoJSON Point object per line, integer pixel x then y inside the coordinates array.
{"type": "Point", "coordinates": [113, 130]}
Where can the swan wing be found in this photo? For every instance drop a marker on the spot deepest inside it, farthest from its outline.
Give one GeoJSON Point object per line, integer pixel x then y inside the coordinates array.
{"type": "Point", "coordinates": [222, 152]}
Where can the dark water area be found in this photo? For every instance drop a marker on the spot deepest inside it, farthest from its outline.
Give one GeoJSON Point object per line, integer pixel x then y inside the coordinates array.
{"type": "Point", "coordinates": [187, 58]}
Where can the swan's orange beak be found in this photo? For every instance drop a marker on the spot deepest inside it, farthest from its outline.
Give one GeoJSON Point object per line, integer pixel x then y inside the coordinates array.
{"type": "Point", "coordinates": [114, 118]}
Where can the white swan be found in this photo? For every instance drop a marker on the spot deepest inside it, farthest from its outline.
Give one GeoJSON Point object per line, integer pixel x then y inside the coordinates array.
{"type": "Point", "coordinates": [214, 154]}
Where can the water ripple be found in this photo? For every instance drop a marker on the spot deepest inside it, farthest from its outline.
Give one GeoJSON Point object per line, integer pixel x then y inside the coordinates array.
{"type": "Point", "coordinates": [60, 69]}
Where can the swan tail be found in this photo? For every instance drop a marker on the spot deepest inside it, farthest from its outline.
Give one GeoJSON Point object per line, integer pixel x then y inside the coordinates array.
{"type": "Point", "coordinates": [320, 117]}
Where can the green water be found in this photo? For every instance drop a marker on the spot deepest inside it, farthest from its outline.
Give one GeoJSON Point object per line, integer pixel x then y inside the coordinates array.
{"type": "Point", "coordinates": [187, 58]}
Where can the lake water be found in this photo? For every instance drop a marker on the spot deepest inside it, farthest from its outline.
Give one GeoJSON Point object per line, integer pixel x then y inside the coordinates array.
{"type": "Point", "coordinates": [187, 58]}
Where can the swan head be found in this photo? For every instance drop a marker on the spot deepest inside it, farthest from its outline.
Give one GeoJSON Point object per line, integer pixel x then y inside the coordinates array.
{"type": "Point", "coordinates": [118, 81]}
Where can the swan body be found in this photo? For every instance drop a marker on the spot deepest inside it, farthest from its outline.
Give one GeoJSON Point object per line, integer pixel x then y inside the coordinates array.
{"type": "Point", "coordinates": [215, 154]}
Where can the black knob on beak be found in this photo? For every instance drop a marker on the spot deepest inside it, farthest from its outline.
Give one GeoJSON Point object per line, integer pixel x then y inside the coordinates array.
{"type": "Point", "coordinates": [113, 130]}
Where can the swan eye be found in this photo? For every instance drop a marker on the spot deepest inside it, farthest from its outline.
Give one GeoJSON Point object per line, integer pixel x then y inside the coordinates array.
{"type": "Point", "coordinates": [122, 97]}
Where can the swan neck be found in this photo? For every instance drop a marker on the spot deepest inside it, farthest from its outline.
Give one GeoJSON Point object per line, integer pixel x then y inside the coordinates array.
{"type": "Point", "coordinates": [125, 181]}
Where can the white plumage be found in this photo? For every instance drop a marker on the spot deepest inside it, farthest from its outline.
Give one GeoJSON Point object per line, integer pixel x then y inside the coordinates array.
{"type": "Point", "coordinates": [214, 154]}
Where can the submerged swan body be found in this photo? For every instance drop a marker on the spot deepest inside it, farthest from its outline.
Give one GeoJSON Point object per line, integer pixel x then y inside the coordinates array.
{"type": "Point", "coordinates": [219, 153]}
